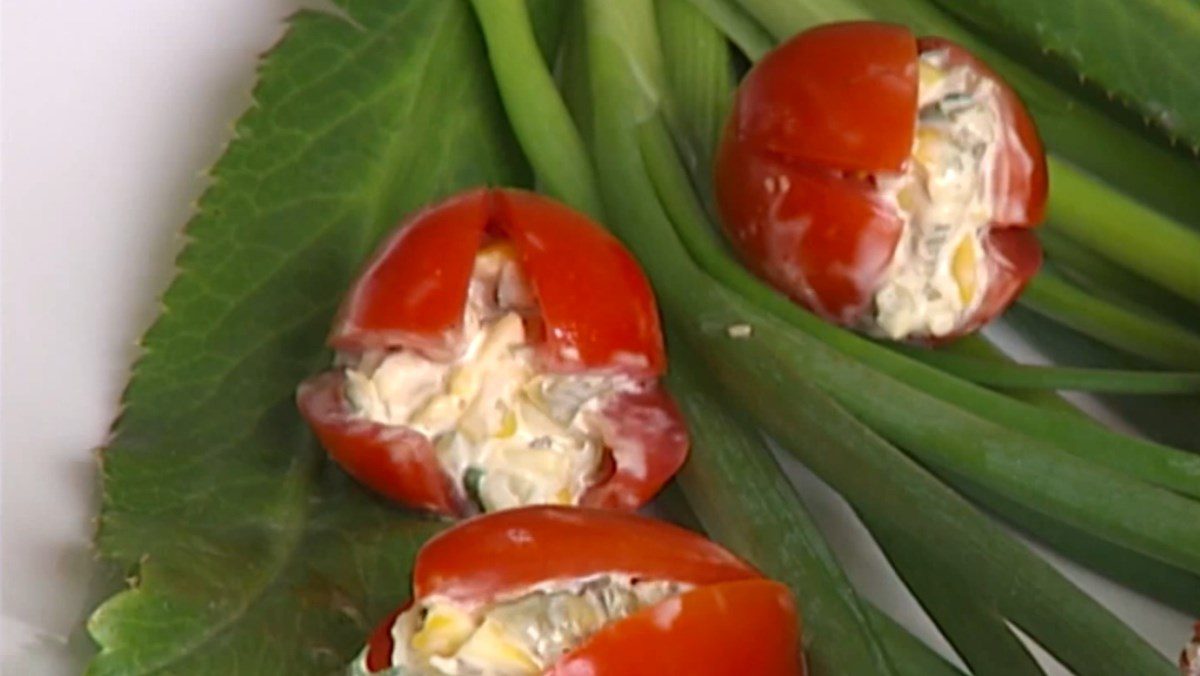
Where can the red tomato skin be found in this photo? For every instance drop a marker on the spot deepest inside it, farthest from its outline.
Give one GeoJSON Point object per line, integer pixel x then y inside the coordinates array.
{"type": "Point", "coordinates": [598, 314]}
{"type": "Point", "coordinates": [397, 462]}
{"type": "Point", "coordinates": [841, 96]}
{"type": "Point", "coordinates": [644, 432]}
{"type": "Point", "coordinates": [1014, 256]}
{"type": "Point", "coordinates": [733, 622]}
{"type": "Point", "coordinates": [823, 239]}
{"type": "Point", "coordinates": [413, 291]}
{"type": "Point", "coordinates": [498, 553]}
{"type": "Point", "coordinates": [380, 644]}
{"type": "Point", "coordinates": [729, 629]}
{"type": "Point", "coordinates": [801, 219]}
{"type": "Point", "coordinates": [646, 437]}
{"type": "Point", "coordinates": [597, 305]}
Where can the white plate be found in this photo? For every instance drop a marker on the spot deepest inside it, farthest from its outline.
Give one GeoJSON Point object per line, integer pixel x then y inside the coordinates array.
{"type": "Point", "coordinates": [111, 111]}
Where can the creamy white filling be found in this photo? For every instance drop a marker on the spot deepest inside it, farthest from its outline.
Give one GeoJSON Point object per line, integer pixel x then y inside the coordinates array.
{"type": "Point", "coordinates": [521, 634]}
{"type": "Point", "coordinates": [936, 277]}
{"type": "Point", "coordinates": [508, 433]}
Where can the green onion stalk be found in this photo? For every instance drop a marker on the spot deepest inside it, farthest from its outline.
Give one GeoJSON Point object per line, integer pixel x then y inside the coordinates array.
{"type": "Point", "coordinates": [844, 405]}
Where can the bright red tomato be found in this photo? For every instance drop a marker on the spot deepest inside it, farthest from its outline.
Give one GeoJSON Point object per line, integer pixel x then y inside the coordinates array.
{"type": "Point", "coordinates": [816, 124]}
{"type": "Point", "coordinates": [596, 302]}
{"type": "Point", "coordinates": [491, 555]}
{"type": "Point", "coordinates": [733, 622]}
{"type": "Point", "coordinates": [412, 292]}
{"type": "Point", "coordinates": [597, 314]}
{"type": "Point", "coordinates": [597, 305]}
{"type": "Point", "coordinates": [396, 462]}
{"type": "Point", "coordinates": [744, 627]}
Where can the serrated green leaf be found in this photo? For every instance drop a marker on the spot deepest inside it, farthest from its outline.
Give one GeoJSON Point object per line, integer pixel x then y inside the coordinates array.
{"type": "Point", "coordinates": [254, 555]}
{"type": "Point", "coordinates": [1142, 51]}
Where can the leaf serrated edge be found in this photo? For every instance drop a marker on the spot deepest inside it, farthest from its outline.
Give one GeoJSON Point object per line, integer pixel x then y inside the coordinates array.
{"type": "Point", "coordinates": [184, 239]}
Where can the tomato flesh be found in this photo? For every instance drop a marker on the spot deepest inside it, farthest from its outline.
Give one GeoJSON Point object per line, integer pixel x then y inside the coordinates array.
{"type": "Point", "coordinates": [397, 462]}
{"type": "Point", "coordinates": [596, 314]}
{"type": "Point", "coordinates": [596, 302]}
{"type": "Point", "coordinates": [841, 96]}
{"type": "Point", "coordinates": [498, 553]}
{"type": "Point", "coordinates": [731, 621]}
{"type": "Point", "coordinates": [731, 629]}
{"type": "Point", "coordinates": [412, 292]}
{"type": "Point", "coordinates": [823, 239]}
{"type": "Point", "coordinates": [646, 437]}
{"type": "Point", "coordinates": [815, 123]}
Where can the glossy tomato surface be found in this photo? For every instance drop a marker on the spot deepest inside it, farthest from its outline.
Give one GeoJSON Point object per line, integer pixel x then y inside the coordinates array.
{"type": "Point", "coordinates": [840, 96]}
{"type": "Point", "coordinates": [413, 290]}
{"type": "Point", "coordinates": [730, 629]}
{"type": "Point", "coordinates": [396, 462]}
{"type": "Point", "coordinates": [494, 554]}
{"type": "Point", "coordinates": [815, 123]}
{"type": "Point", "coordinates": [596, 304]}
{"type": "Point", "coordinates": [733, 622]}
{"type": "Point", "coordinates": [597, 314]}
{"type": "Point", "coordinates": [646, 436]}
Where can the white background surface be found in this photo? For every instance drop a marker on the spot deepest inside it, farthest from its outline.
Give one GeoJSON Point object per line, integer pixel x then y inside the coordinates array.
{"type": "Point", "coordinates": [111, 111]}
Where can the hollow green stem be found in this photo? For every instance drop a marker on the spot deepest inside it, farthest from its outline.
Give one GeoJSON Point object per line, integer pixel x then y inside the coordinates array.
{"type": "Point", "coordinates": [1124, 231]}
{"type": "Point", "coordinates": [1062, 485]}
{"type": "Point", "coordinates": [982, 347]}
{"type": "Point", "coordinates": [1100, 276]}
{"type": "Point", "coordinates": [522, 76]}
{"type": "Point", "coordinates": [976, 630]}
{"type": "Point", "coordinates": [739, 27]}
{"type": "Point", "coordinates": [745, 502]}
{"type": "Point", "coordinates": [1124, 329]}
{"type": "Point", "coordinates": [1021, 422]}
{"type": "Point", "coordinates": [1019, 376]}
{"type": "Point", "coordinates": [1166, 584]}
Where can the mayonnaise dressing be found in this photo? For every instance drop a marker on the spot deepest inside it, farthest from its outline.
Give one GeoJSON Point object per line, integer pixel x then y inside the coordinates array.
{"type": "Point", "coordinates": [521, 634]}
{"type": "Point", "coordinates": [509, 434]}
{"type": "Point", "coordinates": [937, 275]}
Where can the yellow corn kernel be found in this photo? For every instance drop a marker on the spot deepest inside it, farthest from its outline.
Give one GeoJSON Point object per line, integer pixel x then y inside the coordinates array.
{"type": "Point", "coordinates": [445, 629]}
{"type": "Point", "coordinates": [928, 74]}
{"type": "Point", "coordinates": [508, 425]}
{"type": "Point", "coordinates": [907, 199]}
{"type": "Point", "coordinates": [492, 651]}
{"type": "Point", "coordinates": [464, 380]}
{"type": "Point", "coordinates": [436, 410]}
{"type": "Point", "coordinates": [964, 266]}
{"type": "Point", "coordinates": [927, 144]}
{"type": "Point", "coordinates": [563, 497]}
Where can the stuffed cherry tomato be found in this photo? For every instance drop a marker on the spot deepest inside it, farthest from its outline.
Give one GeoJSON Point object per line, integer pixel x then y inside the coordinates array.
{"type": "Point", "coordinates": [499, 350]}
{"type": "Point", "coordinates": [570, 591]}
{"type": "Point", "coordinates": [1189, 661]}
{"type": "Point", "coordinates": [885, 182]}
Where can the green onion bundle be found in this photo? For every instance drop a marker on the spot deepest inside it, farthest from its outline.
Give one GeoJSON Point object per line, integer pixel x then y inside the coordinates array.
{"type": "Point", "coordinates": [916, 441]}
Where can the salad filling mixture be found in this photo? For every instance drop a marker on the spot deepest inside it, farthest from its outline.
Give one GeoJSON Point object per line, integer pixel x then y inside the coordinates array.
{"type": "Point", "coordinates": [520, 635]}
{"type": "Point", "coordinates": [508, 433]}
{"type": "Point", "coordinates": [937, 276]}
